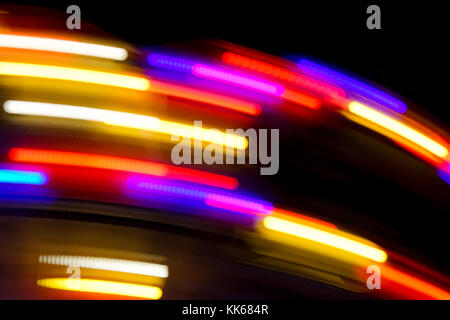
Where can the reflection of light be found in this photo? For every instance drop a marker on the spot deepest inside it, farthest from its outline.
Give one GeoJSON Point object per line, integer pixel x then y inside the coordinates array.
{"type": "Point", "coordinates": [64, 46]}
{"type": "Point", "coordinates": [121, 164]}
{"type": "Point", "coordinates": [351, 84]}
{"type": "Point", "coordinates": [73, 74]}
{"type": "Point", "coordinates": [102, 286]}
{"type": "Point", "coordinates": [414, 283]}
{"type": "Point", "coordinates": [22, 177]}
{"type": "Point", "coordinates": [281, 73]}
{"type": "Point", "coordinates": [398, 128]}
{"type": "Point", "coordinates": [324, 237]}
{"type": "Point", "coordinates": [119, 265]}
{"type": "Point", "coordinates": [124, 119]}
{"type": "Point", "coordinates": [206, 97]}
{"type": "Point", "coordinates": [211, 197]}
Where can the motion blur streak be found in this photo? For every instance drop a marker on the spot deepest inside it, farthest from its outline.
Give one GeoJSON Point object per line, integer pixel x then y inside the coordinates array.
{"type": "Point", "coordinates": [324, 237]}
{"type": "Point", "coordinates": [124, 119]}
{"type": "Point", "coordinates": [255, 84]}
{"type": "Point", "coordinates": [318, 222]}
{"type": "Point", "coordinates": [236, 204]}
{"type": "Point", "coordinates": [237, 79]}
{"type": "Point", "coordinates": [349, 83]}
{"type": "Point", "coordinates": [121, 164]}
{"type": "Point", "coordinates": [73, 74]}
{"type": "Point", "coordinates": [444, 175]}
{"type": "Point", "coordinates": [301, 99]}
{"type": "Point", "coordinates": [206, 97]}
{"type": "Point", "coordinates": [233, 78]}
{"type": "Point", "coordinates": [210, 197]}
{"type": "Point", "coordinates": [63, 46]}
{"type": "Point", "coordinates": [281, 73]}
{"type": "Point", "coordinates": [99, 263]}
{"type": "Point", "coordinates": [102, 286]}
{"type": "Point", "coordinates": [398, 128]}
{"type": "Point", "coordinates": [167, 62]}
{"type": "Point", "coordinates": [22, 177]}
{"type": "Point", "coordinates": [414, 283]}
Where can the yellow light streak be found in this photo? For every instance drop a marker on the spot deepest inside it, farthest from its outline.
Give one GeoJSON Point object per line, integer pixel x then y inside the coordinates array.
{"type": "Point", "coordinates": [324, 237]}
{"type": "Point", "coordinates": [124, 119]}
{"type": "Point", "coordinates": [63, 46]}
{"type": "Point", "coordinates": [73, 74]}
{"type": "Point", "coordinates": [102, 286]}
{"type": "Point", "coordinates": [398, 128]}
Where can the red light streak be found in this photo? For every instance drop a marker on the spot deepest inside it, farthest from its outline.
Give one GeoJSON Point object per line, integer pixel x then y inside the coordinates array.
{"type": "Point", "coordinates": [206, 97]}
{"type": "Point", "coordinates": [121, 164]}
{"type": "Point", "coordinates": [410, 283]}
{"type": "Point", "coordinates": [301, 99]}
{"type": "Point", "coordinates": [282, 74]}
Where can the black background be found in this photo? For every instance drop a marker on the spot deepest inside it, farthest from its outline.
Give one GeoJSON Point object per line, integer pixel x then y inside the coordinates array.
{"type": "Point", "coordinates": [408, 55]}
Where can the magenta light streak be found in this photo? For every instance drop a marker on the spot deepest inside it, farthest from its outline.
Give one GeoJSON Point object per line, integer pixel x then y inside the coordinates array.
{"type": "Point", "coordinates": [237, 79]}
{"type": "Point", "coordinates": [238, 205]}
{"type": "Point", "coordinates": [191, 194]}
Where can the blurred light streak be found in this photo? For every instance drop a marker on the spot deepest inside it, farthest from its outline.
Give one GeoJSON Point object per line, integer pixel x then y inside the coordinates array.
{"type": "Point", "coordinates": [206, 97]}
{"type": "Point", "coordinates": [124, 119]}
{"type": "Point", "coordinates": [337, 101]}
{"type": "Point", "coordinates": [22, 177]}
{"type": "Point", "coordinates": [121, 164]}
{"type": "Point", "coordinates": [349, 83]}
{"type": "Point", "coordinates": [301, 99]}
{"type": "Point", "coordinates": [233, 78]}
{"type": "Point", "coordinates": [281, 73]}
{"type": "Point", "coordinates": [100, 263]}
{"type": "Point", "coordinates": [296, 215]}
{"type": "Point", "coordinates": [406, 144]}
{"type": "Point", "coordinates": [237, 79]}
{"type": "Point", "coordinates": [73, 74]}
{"type": "Point", "coordinates": [444, 174]}
{"type": "Point", "coordinates": [168, 62]}
{"type": "Point", "coordinates": [411, 264]}
{"type": "Point", "coordinates": [102, 286]}
{"type": "Point", "coordinates": [412, 283]}
{"type": "Point", "coordinates": [324, 237]}
{"type": "Point", "coordinates": [237, 204]}
{"type": "Point", "coordinates": [63, 46]}
{"type": "Point", "coordinates": [397, 127]}
{"type": "Point", "coordinates": [202, 177]}
{"type": "Point", "coordinates": [210, 197]}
